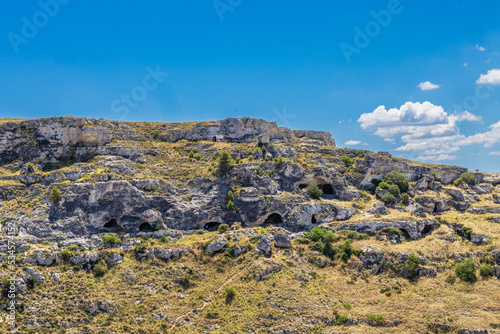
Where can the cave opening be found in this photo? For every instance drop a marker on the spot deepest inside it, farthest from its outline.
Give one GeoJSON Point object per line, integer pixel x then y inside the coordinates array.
{"type": "Point", "coordinates": [327, 189]}
{"type": "Point", "coordinates": [112, 225]}
{"type": "Point", "coordinates": [146, 227]}
{"type": "Point", "coordinates": [212, 226]}
{"type": "Point", "coordinates": [315, 219]}
{"type": "Point", "coordinates": [273, 218]}
{"type": "Point", "coordinates": [405, 234]}
{"type": "Point", "coordinates": [427, 229]}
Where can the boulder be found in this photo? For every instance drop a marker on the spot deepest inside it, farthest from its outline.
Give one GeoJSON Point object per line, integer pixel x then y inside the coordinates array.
{"type": "Point", "coordinates": [378, 209]}
{"type": "Point", "coordinates": [264, 245]}
{"type": "Point", "coordinates": [456, 194]}
{"type": "Point", "coordinates": [217, 244]}
{"type": "Point", "coordinates": [281, 240]}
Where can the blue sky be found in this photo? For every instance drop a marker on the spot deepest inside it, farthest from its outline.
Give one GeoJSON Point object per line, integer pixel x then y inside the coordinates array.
{"type": "Point", "coordinates": [280, 62]}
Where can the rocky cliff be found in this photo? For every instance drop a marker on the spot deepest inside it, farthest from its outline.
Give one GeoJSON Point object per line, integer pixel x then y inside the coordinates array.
{"type": "Point", "coordinates": [147, 232]}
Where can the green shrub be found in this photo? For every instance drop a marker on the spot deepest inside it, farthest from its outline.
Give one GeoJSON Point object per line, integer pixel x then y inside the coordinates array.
{"type": "Point", "coordinates": [355, 235]}
{"type": "Point", "coordinates": [341, 319]}
{"type": "Point", "coordinates": [486, 270]}
{"type": "Point", "coordinates": [360, 153]}
{"type": "Point", "coordinates": [230, 206]}
{"type": "Point", "coordinates": [230, 293]}
{"type": "Point", "coordinates": [314, 191]}
{"type": "Point", "coordinates": [223, 164]}
{"type": "Point", "coordinates": [465, 178]}
{"type": "Point", "coordinates": [155, 134]}
{"type": "Point", "coordinates": [388, 198]}
{"type": "Point", "coordinates": [139, 249]}
{"type": "Point", "coordinates": [318, 246]}
{"type": "Point", "coordinates": [467, 231]}
{"type": "Point", "coordinates": [302, 240]}
{"type": "Point", "coordinates": [112, 239]}
{"type": "Point", "coordinates": [394, 177]}
{"type": "Point", "coordinates": [466, 270]}
{"type": "Point", "coordinates": [347, 306]}
{"type": "Point", "coordinates": [191, 154]}
{"type": "Point", "coordinates": [55, 195]}
{"type": "Point", "coordinates": [197, 156]}
{"type": "Point", "coordinates": [382, 185]}
{"type": "Point", "coordinates": [223, 228]}
{"type": "Point", "coordinates": [394, 190]}
{"type": "Point", "coordinates": [390, 230]}
{"type": "Point", "coordinates": [65, 255]}
{"type": "Point", "coordinates": [379, 319]}
{"type": "Point", "coordinates": [279, 161]}
{"type": "Point", "coordinates": [230, 195]}
{"type": "Point", "coordinates": [434, 174]}
{"type": "Point", "coordinates": [348, 162]}
{"type": "Point", "coordinates": [405, 198]}
{"type": "Point", "coordinates": [100, 269]}
{"type": "Point", "coordinates": [411, 265]}
{"type": "Point", "coordinates": [317, 233]}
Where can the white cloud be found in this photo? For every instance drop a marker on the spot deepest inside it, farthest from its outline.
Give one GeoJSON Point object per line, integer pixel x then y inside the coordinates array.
{"type": "Point", "coordinates": [427, 85]}
{"type": "Point", "coordinates": [494, 153]}
{"type": "Point", "coordinates": [389, 140]}
{"type": "Point", "coordinates": [352, 142]}
{"type": "Point", "coordinates": [487, 138]}
{"type": "Point", "coordinates": [422, 127]}
{"type": "Point", "coordinates": [480, 48]}
{"type": "Point", "coordinates": [441, 157]}
{"type": "Point", "coordinates": [492, 77]}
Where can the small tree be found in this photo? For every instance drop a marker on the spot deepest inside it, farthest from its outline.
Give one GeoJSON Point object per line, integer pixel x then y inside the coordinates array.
{"type": "Point", "coordinates": [155, 134]}
{"type": "Point", "coordinates": [388, 198]}
{"type": "Point", "coordinates": [230, 293]}
{"type": "Point", "coordinates": [55, 195]}
{"type": "Point", "coordinates": [191, 154]}
{"type": "Point", "coordinates": [230, 206]}
{"type": "Point", "coordinates": [314, 191]}
{"type": "Point", "coordinates": [466, 270]}
{"type": "Point", "coordinates": [394, 190]}
{"type": "Point", "coordinates": [405, 198]}
{"type": "Point", "coordinates": [395, 177]}
{"type": "Point", "coordinates": [230, 195]}
{"type": "Point", "coordinates": [223, 164]}
{"type": "Point", "coordinates": [100, 269]}
{"type": "Point", "coordinates": [197, 156]}
{"type": "Point", "coordinates": [348, 162]}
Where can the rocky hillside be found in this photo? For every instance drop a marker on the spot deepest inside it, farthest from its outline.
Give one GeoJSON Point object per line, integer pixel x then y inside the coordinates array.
{"type": "Point", "coordinates": [286, 234]}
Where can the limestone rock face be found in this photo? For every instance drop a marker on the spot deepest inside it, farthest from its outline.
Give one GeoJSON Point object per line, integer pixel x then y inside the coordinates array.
{"type": "Point", "coordinates": [376, 165]}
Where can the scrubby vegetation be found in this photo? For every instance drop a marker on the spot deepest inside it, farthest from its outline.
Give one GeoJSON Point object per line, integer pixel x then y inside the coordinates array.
{"type": "Point", "coordinates": [314, 191]}
{"type": "Point", "coordinates": [467, 178]}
